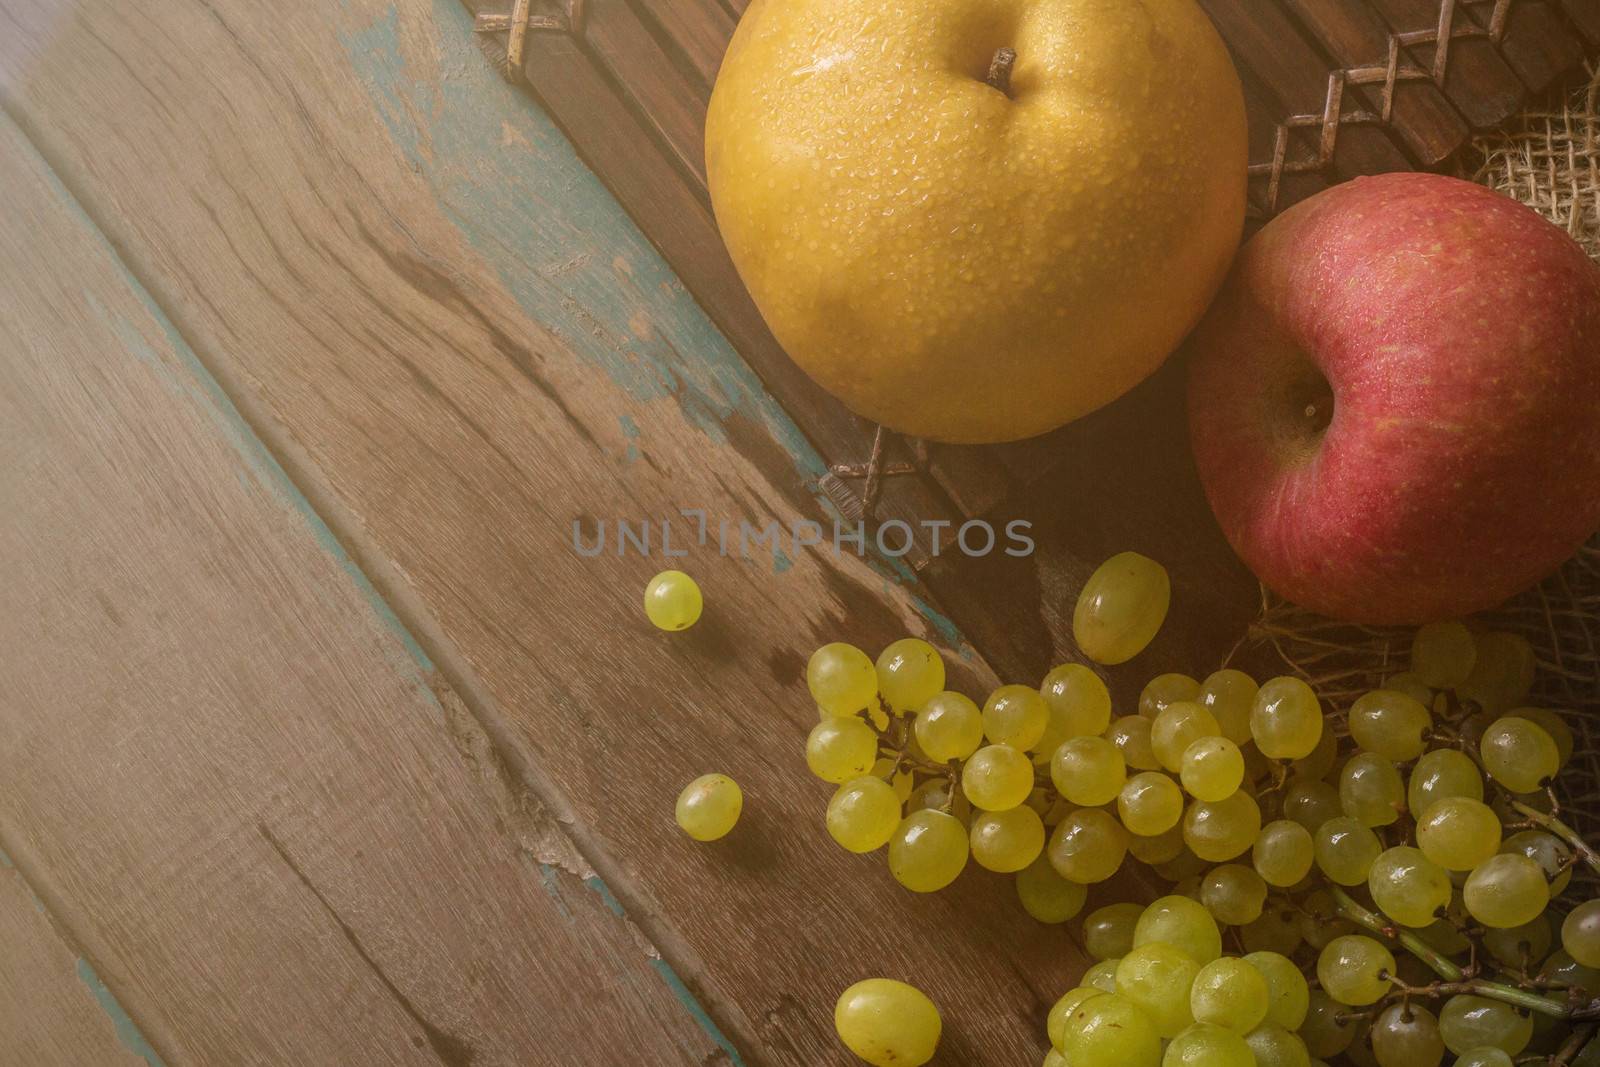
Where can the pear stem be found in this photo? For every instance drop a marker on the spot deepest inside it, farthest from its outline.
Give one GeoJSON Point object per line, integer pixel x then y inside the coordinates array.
{"type": "Point", "coordinates": [1000, 69]}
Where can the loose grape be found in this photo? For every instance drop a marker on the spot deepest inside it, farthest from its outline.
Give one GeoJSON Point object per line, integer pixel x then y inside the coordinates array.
{"type": "Point", "coordinates": [1324, 1032]}
{"type": "Point", "coordinates": [1015, 715]}
{"type": "Point", "coordinates": [1203, 1045]}
{"type": "Point", "coordinates": [1277, 930]}
{"type": "Point", "coordinates": [1212, 768]}
{"type": "Point", "coordinates": [1519, 946]}
{"type": "Point", "coordinates": [1469, 1022]}
{"type": "Point", "coordinates": [1007, 841]}
{"type": "Point", "coordinates": [1320, 921]}
{"type": "Point", "coordinates": [1519, 755]}
{"type": "Point", "coordinates": [1220, 830]}
{"type": "Point", "coordinates": [1283, 853]}
{"type": "Point", "coordinates": [1273, 1046]}
{"type": "Point", "coordinates": [1150, 803]}
{"type": "Point", "coordinates": [1391, 724]}
{"type": "Point", "coordinates": [672, 601]}
{"type": "Point", "coordinates": [1157, 976]}
{"type": "Point", "coordinates": [1408, 683]}
{"type": "Point", "coordinates": [1233, 894]}
{"type": "Point", "coordinates": [1288, 996]}
{"type": "Point", "coordinates": [1370, 790]}
{"type": "Point", "coordinates": [1229, 695]}
{"type": "Point", "coordinates": [1407, 1035]}
{"type": "Point", "coordinates": [838, 750]}
{"type": "Point", "coordinates": [1088, 846]}
{"type": "Point", "coordinates": [1484, 1057]}
{"type": "Point", "coordinates": [948, 727]}
{"type": "Point", "coordinates": [1310, 802]}
{"type": "Point", "coordinates": [1183, 923]}
{"type": "Point", "coordinates": [1286, 719]}
{"type": "Point", "coordinates": [709, 806]}
{"type": "Point", "coordinates": [1458, 833]}
{"type": "Point", "coordinates": [997, 777]}
{"type": "Point", "coordinates": [1088, 771]}
{"type": "Point", "coordinates": [1109, 1029]}
{"type": "Point", "coordinates": [1131, 735]}
{"type": "Point", "coordinates": [1443, 654]}
{"type": "Point", "coordinates": [887, 1023]}
{"type": "Point", "coordinates": [1166, 689]}
{"type": "Point", "coordinates": [1355, 970]}
{"type": "Point", "coordinates": [1506, 890]}
{"type": "Point", "coordinates": [1408, 887]}
{"type": "Point", "coordinates": [1320, 761]}
{"type": "Point", "coordinates": [1108, 931]}
{"type": "Point", "coordinates": [928, 850]}
{"type": "Point", "coordinates": [1230, 993]}
{"type": "Point", "coordinates": [1345, 849]}
{"type": "Point", "coordinates": [1078, 699]}
{"type": "Point", "coordinates": [1121, 607]}
{"type": "Point", "coordinates": [1061, 1012]}
{"type": "Point", "coordinates": [1553, 724]}
{"type": "Point", "coordinates": [1102, 976]}
{"type": "Point", "coordinates": [1157, 848]}
{"type": "Point", "coordinates": [863, 814]}
{"type": "Point", "coordinates": [1178, 726]}
{"type": "Point", "coordinates": [1442, 773]}
{"type": "Point", "coordinates": [1047, 896]}
{"type": "Point", "coordinates": [1564, 972]}
{"type": "Point", "coordinates": [1502, 672]}
{"type": "Point", "coordinates": [1580, 933]}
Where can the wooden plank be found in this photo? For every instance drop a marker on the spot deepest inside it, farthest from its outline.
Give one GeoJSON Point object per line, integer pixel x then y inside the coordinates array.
{"type": "Point", "coordinates": [699, 29]}
{"type": "Point", "coordinates": [54, 1010]}
{"type": "Point", "coordinates": [475, 349]}
{"type": "Point", "coordinates": [671, 103]}
{"type": "Point", "coordinates": [1477, 80]}
{"type": "Point", "coordinates": [1539, 44]}
{"type": "Point", "coordinates": [1585, 15]}
{"type": "Point", "coordinates": [279, 835]}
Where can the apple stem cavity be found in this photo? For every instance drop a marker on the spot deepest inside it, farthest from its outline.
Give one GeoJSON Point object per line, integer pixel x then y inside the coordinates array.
{"type": "Point", "coordinates": [999, 76]}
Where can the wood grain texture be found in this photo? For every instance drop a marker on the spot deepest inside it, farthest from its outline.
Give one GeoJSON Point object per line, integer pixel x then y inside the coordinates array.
{"type": "Point", "coordinates": [1477, 80]}
{"type": "Point", "coordinates": [410, 280]}
{"type": "Point", "coordinates": [280, 838]}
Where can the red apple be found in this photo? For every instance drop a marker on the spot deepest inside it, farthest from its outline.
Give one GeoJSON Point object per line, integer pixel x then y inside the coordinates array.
{"type": "Point", "coordinates": [1395, 401]}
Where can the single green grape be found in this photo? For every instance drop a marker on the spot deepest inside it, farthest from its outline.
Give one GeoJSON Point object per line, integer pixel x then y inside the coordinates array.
{"type": "Point", "coordinates": [1088, 771]}
{"type": "Point", "coordinates": [838, 750]}
{"type": "Point", "coordinates": [1458, 833]}
{"type": "Point", "coordinates": [1469, 1022]}
{"type": "Point", "coordinates": [1355, 970]}
{"type": "Point", "coordinates": [1109, 1029]}
{"type": "Point", "coordinates": [672, 601]}
{"type": "Point", "coordinates": [1326, 1029]}
{"type": "Point", "coordinates": [1502, 672]}
{"type": "Point", "coordinates": [1412, 686]}
{"type": "Point", "coordinates": [1519, 754]}
{"type": "Point", "coordinates": [1212, 768]}
{"type": "Point", "coordinates": [863, 814]}
{"type": "Point", "coordinates": [1320, 921]}
{"type": "Point", "coordinates": [1390, 724]}
{"type": "Point", "coordinates": [1283, 853]}
{"type": "Point", "coordinates": [1007, 841]}
{"type": "Point", "coordinates": [1484, 1057]}
{"type": "Point", "coordinates": [1182, 923]}
{"type": "Point", "coordinates": [1286, 719]}
{"type": "Point", "coordinates": [1108, 931]}
{"type": "Point", "coordinates": [1159, 848]}
{"type": "Point", "coordinates": [1204, 1045]}
{"type": "Point", "coordinates": [910, 673]}
{"type": "Point", "coordinates": [1121, 607]}
{"type": "Point", "coordinates": [1088, 846]}
{"type": "Point", "coordinates": [1555, 725]}
{"type": "Point", "coordinates": [1131, 735]}
{"type": "Point", "coordinates": [1519, 947]}
{"type": "Point", "coordinates": [1166, 689]}
{"type": "Point", "coordinates": [1176, 727]}
{"type": "Point", "coordinates": [1230, 695]}
{"type": "Point", "coordinates": [1220, 830]}
{"type": "Point", "coordinates": [1230, 993]}
{"type": "Point", "coordinates": [1443, 654]}
{"type": "Point", "coordinates": [997, 777]}
{"type": "Point", "coordinates": [1561, 971]}
{"type": "Point", "coordinates": [1102, 976]}
{"type": "Point", "coordinates": [1408, 887]}
{"type": "Point", "coordinates": [1508, 889]}
{"type": "Point", "coordinates": [1078, 699]}
{"type": "Point", "coordinates": [1150, 803]}
{"type": "Point", "coordinates": [842, 679]}
{"type": "Point", "coordinates": [1406, 1035]}
{"type": "Point", "coordinates": [928, 850]}
{"type": "Point", "coordinates": [1277, 930]}
{"type": "Point", "coordinates": [1320, 761]}
{"type": "Point", "coordinates": [1233, 893]}
{"type": "Point", "coordinates": [949, 727]}
{"type": "Point", "coordinates": [1047, 896]}
{"type": "Point", "coordinates": [887, 1023]}
{"type": "Point", "coordinates": [709, 806]}
{"type": "Point", "coordinates": [1273, 1046]}
{"type": "Point", "coordinates": [1288, 995]}
{"type": "Point", "coordinates": [1580, 933]}
{"type": "Point", "coordinates": [1370, 790]}
{"type": "Point", "coordinates": [1157, 976]}
{"type": "Point", "coordinates": [1061, 1012]}
{"type": "Point", "coordinates": [1345, 849]}
{"type": "Point", "coordinates": [1015, 715]}
{"type": "Point", "coordinates": [1443, 773]}
{"type": "Point", "coordinates": [1311, 802]}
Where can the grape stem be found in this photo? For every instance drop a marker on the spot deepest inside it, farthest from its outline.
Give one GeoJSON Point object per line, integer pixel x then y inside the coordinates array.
{"type": "Point", "coordinates": [1553, 825]}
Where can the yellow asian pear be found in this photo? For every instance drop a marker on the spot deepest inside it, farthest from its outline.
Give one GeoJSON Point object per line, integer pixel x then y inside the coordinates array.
{"type": "Point", "coordinates": [976, 220]}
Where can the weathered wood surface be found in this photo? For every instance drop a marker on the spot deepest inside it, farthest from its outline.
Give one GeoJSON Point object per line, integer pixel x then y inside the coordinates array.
{"type": "Point", "coordinates": [280, 837]}
{"type": "Point", "coordinates": [432, 310]}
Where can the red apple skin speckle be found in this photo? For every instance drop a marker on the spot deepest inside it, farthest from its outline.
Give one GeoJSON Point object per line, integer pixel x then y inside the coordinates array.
{"type": "Point", "coordinates": [1460, 335]}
